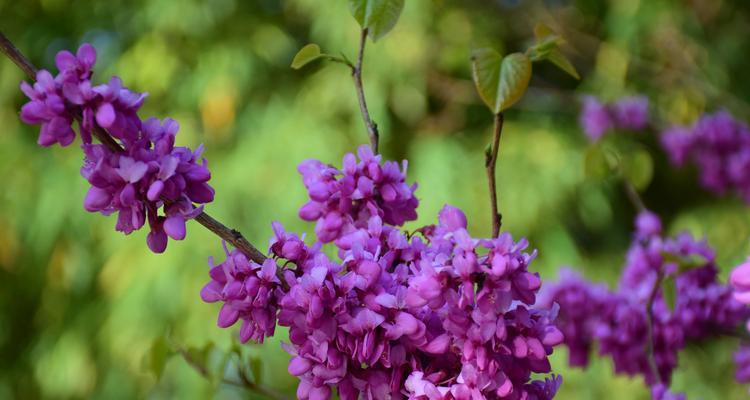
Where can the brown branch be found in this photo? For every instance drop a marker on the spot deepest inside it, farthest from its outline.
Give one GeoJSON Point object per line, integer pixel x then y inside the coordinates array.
{"type": "Point", "coordinates": [372, 127]}
{"type": "Point", "coordinates": [15, 55]}
{"type": "Point", "coordinates": [234, 237]}
{"type": "Point", "coordinates": [490, 163]}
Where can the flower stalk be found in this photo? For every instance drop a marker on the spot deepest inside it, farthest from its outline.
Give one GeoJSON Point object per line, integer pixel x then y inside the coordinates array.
{"type": "Point", "coordinates": [490, 164]}
{"type": "Point", "coordinates": [372, 127]}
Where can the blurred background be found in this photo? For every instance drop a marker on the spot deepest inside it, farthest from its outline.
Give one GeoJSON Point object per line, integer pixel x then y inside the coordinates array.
{"type": "Point", "coordinates": [86, 312]}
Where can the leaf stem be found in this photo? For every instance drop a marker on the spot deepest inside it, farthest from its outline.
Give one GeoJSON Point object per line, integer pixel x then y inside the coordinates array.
{"type": "Point", "coordinates": [490, 163]}
{"type": "Point", "coordinates": [633, 196]}
{"type": "Point", "coordinates": [372, 127]}
{"type": "Point", "coordinates": [232, 236]}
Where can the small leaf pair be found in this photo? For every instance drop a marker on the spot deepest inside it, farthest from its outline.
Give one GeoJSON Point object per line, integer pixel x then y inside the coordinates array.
{"type": "Point", "coordinates": [502, 81]}
{"type": "Point", "coordinates": [378, 17]}
{"type": "Point", "coordinates": [547, 47]}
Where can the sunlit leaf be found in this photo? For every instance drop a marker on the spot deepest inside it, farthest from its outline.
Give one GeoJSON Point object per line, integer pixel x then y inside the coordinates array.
{"type": "Point", "coordinates": [256, 367]}
{"type": "Point", "coordinates": [558, 58]}
{"type": "Point", "coordinates": [306, 55]}
{"type": "Point", "coordinates": [547, 47]}
{"type": "Point", "coordinates": [598, 162]}
{"type": "Point", "coordinates": [377, 16]}
{"type": "Point", "coordinates": [500, 81]}
{"type": "Point", "coordinates": [638, 168]}
{"type": "Point", "coordinates": [542, 31]}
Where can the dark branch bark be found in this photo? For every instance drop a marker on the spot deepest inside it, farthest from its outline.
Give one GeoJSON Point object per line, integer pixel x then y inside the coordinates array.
{"type": "Point", "coordinates": [372, 127]}
{"type": "Point", "coordinates": [490, 163]}
{"type": "Point", "coordinates": [7, 47]}
{"type": "Point", "coordinates": [234, 237]}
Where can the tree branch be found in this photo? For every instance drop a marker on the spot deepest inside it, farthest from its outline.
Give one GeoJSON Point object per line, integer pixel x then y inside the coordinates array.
{"type": "Point", "coordinates": [15, 55]}
{"type": "Point", "coordinates": [490, 163]}
{"type": "Point", "coordinates": [234, 237]}
{"type": "Point", "coordinates": [372, 127]}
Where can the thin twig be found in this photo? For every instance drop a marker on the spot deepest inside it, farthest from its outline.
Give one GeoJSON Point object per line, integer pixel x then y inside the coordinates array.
{"type": "Point", "coordinates": [234, 237]}
{"type": "Point", "coordinates": [650, 326]}
{"type": "Point", "coordinates": [372, 127]}
{"type": "Point", "coordinates": [490, 163]}
{"type": "Point", "coordinates": [633, 196]}
{"type": "Point", "coordinates": [15, 55]}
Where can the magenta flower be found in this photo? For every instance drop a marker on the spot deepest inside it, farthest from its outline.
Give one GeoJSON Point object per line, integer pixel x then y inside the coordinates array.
{"type": "Point", "coordinates": [595, 118]}
{"type": "Point", "coordinates": [631, 113]}
{"type": "Point", "coordinates": [248, 291]}
{"type": "Point", "coordinates": [151, 173]}
{"type": "Point", "coordinates": [740, 280]}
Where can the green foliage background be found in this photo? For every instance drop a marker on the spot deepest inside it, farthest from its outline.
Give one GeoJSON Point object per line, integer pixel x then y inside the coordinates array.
{"type": "Point", "coordinates": [81, 305]}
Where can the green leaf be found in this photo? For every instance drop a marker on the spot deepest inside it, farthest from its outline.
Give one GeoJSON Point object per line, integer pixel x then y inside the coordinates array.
{"type": "Point", "coordinates": [547, 47]}
{"type": "Point", "coordinates": [156, 358]}
{"type": "Point", "coordinates": [199, 356]}
{"type": "Point", "coordinates": [377, 16]}
{"type": "Point", "coordinates": [306, 55]}
{"type": "Point", "coordinates": [669, 291]}
{"type": "Point", "coordinates": [638, 168]}
{"type": "Point", "coordinates": [546, 41]}
{"type": "Point", "coordinates": [542, 31]}
{"type": "Point", "coordinates": [256, 367]}
{"type": "Point", "coordinates": [684, 263]}
{"type": "Point", "coordinates": [558, 58]}
{"type": "Point", "coordinates": [599, 162]}
{"type": "Point", "coordinates": [500, 81]}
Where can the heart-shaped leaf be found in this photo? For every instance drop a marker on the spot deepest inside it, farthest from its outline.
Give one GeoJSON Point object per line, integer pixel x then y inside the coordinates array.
{"type": "Point", "coordinates": [377, 16]}
{"type": "Point", "coordinates": [638, 168]}
{"type": "Point", "coordinates": [306, 55]}
{"type": "Point", "coordinates": [500, 81]}
{"type": "Point", "coordinates": [601, 162]}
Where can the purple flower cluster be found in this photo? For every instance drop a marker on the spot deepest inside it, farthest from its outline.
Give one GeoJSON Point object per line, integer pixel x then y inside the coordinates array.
{"type": "Point", "coordinates": [343, 201]}
{"type": "Point", "coordinates": [618, 320]}
{"type": "Point", "coordinates": [434, 314]}
{"type": "Point", "coordinates": [250, 293]}
{"type": "Point", "coordinates": [628, 113]}
{"type": "Point", "coordinates": [580, 300]}
{"type": "Point", "coordinates": [719, 146]}
{"type": "Point", "coordinates": [150, 173]}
